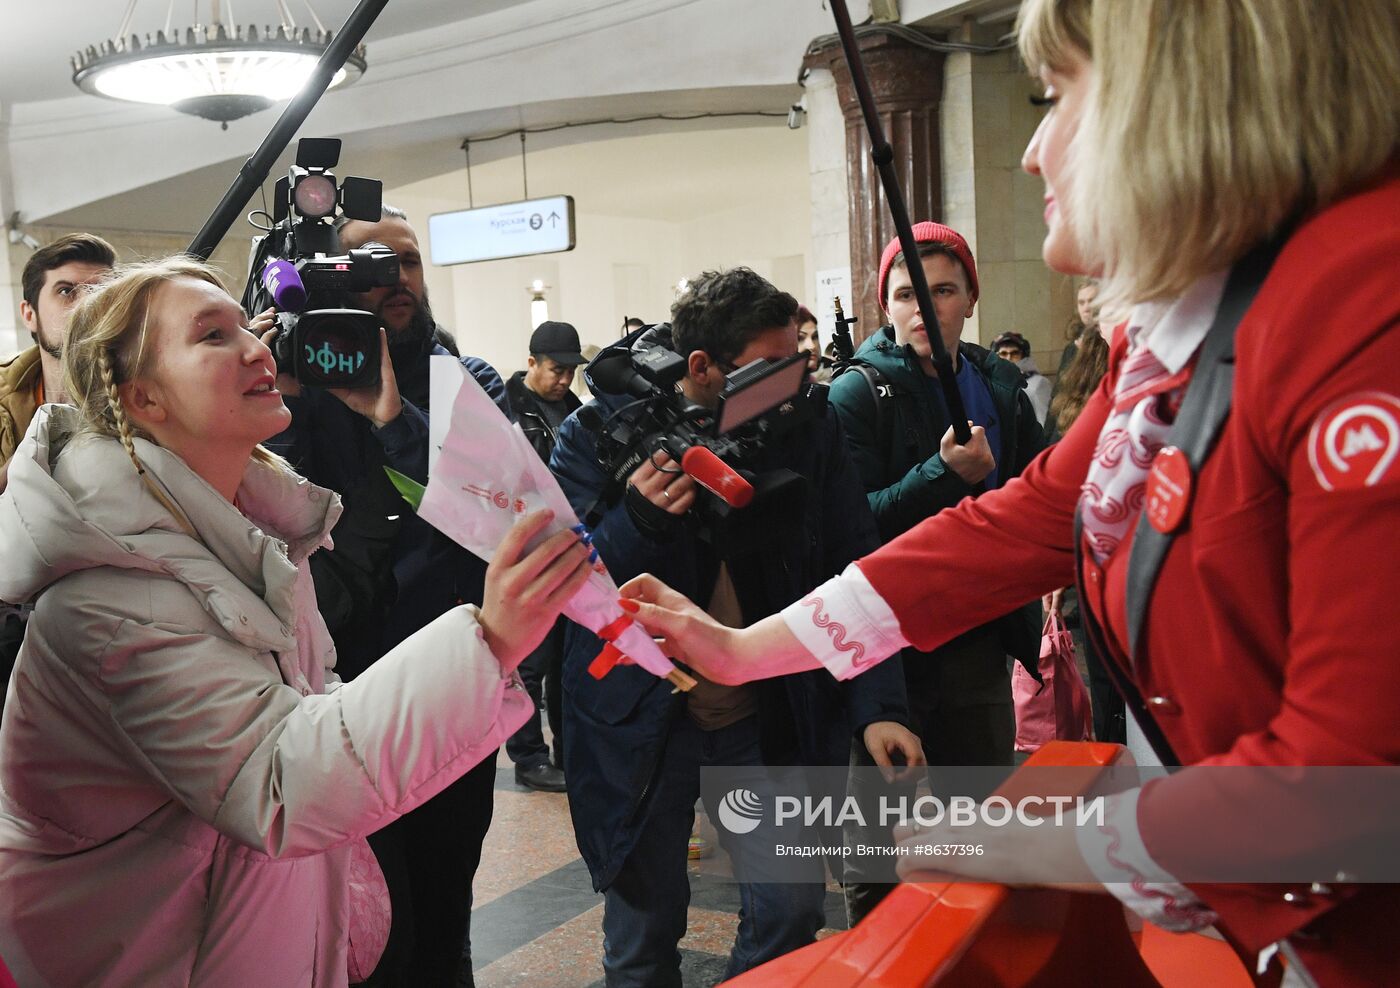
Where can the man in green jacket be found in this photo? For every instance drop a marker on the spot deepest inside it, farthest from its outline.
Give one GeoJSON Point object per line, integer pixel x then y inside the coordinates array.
{"type": "Point", "coordinates": [901, 440]}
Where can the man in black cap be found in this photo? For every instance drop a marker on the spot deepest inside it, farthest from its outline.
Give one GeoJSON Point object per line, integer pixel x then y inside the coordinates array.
{"type": "Point", "coordinates": [541, 400]}
{"type": "Point", "coordinates": [540, 395]}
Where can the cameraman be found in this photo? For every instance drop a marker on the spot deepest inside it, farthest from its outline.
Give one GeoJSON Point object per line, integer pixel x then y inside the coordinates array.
{"type": "Point", "coordinates": [635, 747]}
{"type": "Point", "coordinates": [389, 575]}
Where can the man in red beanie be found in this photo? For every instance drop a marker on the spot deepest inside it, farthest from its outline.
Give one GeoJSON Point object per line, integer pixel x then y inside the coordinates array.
{"type": "Point", "coordinates": [901, 439]}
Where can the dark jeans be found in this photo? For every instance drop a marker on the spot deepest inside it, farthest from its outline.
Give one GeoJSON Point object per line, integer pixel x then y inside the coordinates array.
{"type": "Point", "coordinates": [429, 857]}
{"type": "Point", "coordinates": [1110, 716]}
{"type": "Point", "coordinates": [541, 672]}
{"type": "Point", "coordinates": [644, 915]}
{"type": "Point", "coordinates": [954, 733]}
{"type": "Point", "coordinates": [1110, 719]}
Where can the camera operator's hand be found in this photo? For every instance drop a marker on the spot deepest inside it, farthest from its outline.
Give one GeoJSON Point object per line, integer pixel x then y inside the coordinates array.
{"type": "Point", "coordinates": [262, 322]}
{"type": "Point", "coordinates": [526, 590]}
{"type": "Point", "coordinates": [380, 404]}
{"type": "Point", "coordinates": [667, 488]}
{"type": "Point", "coordinates": [264, 327]}
{"type": "Point", "coordinates": [971, 462]}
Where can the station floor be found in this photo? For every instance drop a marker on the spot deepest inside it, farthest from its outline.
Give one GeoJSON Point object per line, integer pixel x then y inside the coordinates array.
{"type": "Point", "coordinates": [537, 921]}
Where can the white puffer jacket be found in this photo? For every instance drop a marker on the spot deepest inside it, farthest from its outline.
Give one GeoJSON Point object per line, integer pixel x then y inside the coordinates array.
{"type": "Point", "coordinates": [180, 770]}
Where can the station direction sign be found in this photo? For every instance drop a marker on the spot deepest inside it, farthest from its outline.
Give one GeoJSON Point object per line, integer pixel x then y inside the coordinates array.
{"type": "Point", "coordinates": [509, 229]}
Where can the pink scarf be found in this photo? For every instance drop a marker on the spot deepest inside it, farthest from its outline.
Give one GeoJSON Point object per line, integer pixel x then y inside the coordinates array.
{"type": "Point", "coordinates": [1163, 338]}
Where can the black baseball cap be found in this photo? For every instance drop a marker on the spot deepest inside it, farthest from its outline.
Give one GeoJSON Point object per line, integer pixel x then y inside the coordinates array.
{"type": "Point", "coordinates": [559, 342]}
{"type": "Point", "coordinates": [1012, 339]}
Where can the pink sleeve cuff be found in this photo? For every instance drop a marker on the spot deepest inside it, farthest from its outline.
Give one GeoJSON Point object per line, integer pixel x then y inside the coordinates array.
{"type": "Point", "coordinates": [1116, 854]}
{"type": "Point", "coordinates": [845, 624]}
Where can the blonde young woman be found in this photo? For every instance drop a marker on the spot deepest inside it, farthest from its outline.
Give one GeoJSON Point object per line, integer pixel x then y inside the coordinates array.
{"type": "Point", "coordinates": [184, 783]}
{"type": "Point", "coordinates": [1180, 136]}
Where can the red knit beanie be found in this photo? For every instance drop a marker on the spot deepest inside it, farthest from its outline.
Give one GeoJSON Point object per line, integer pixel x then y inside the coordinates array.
{"type": "Point", "coordinates": [926, 233]}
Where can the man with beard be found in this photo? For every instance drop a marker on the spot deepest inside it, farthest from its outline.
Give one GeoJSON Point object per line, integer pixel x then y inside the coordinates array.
{"type": "Point", "coordinates": [52, 283]}
{"type": "Point", "coordinates": [389, 575]}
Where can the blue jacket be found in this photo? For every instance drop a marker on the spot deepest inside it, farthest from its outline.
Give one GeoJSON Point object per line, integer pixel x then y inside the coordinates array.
{"type": "Point", "coordinates": [390, 572]}
{"type": "Point", "coordinates": [617, 726]}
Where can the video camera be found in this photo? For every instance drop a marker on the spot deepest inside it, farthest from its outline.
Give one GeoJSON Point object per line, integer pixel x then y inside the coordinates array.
{"type": "Point", "coordinates": [297, 267]}
{"type": "Point", "coordinates": [716, 447]}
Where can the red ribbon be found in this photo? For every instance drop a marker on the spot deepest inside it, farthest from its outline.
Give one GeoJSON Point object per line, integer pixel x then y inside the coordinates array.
{"type": "Point", "coordinates": [609, 633]}
{"type": "Point", "coordinates": [611, 655]}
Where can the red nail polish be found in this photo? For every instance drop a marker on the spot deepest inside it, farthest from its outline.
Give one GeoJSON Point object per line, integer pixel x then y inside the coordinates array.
{"type": "Point", "coordinates": [629, 605]}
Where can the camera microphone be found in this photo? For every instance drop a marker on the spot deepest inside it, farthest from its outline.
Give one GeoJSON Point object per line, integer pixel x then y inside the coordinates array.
{"type": "Point", "coordinates": [716, 476]}
{"type": "Point", "coordinates": [281, 280]}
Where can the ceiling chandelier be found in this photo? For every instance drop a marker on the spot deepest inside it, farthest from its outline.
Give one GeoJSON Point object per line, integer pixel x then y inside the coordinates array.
{"type": "Point", "coordinates": [215, 70]}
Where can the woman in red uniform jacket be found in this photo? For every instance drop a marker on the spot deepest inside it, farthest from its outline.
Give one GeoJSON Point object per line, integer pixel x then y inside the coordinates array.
{"type": "Point", "coordinates": [1271, 637]}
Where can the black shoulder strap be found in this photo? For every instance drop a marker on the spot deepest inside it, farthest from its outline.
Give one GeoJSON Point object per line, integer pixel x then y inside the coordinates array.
{"type": "Point", "coordinates": [875, 381]}
{"type": "Point", "coordinates": [1199, 421]}
{"type": "Point", "coordinates": [1096, 645]}
{"type": "Point", "coordinates": [1203, 412]}
{"type": "Point", "coordinates": [918, 434]}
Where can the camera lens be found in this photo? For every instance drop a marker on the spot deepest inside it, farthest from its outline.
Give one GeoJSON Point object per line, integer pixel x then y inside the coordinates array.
{"type": "Point", "coordinates": [334, 353]}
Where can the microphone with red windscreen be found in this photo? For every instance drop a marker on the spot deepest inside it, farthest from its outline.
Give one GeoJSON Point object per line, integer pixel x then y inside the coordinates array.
{"type": "Point", "coordinates": [716, 476]}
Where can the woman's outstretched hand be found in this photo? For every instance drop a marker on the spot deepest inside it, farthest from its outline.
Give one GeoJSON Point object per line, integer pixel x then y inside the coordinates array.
{"type": "Point", "coordinates": [722, 655]}
{"type": "Point", "coordinates": [687, 633]}
{"type": "Point", "coordinates": [526, 590]}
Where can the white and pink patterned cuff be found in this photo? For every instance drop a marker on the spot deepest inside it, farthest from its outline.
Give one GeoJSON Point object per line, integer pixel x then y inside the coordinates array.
{"type": "Point", "coordinates": [1116, 854]}
{"type": "Point", "coordinates": [845, 624]}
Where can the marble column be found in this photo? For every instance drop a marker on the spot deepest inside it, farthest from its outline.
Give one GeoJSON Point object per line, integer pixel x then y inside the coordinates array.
{"type": "Point", "coordinates": [13, 336]}
{"type": "Point", "coordinates": [907, 83]}
{"type": "Point", "coordinates": [826, 157]}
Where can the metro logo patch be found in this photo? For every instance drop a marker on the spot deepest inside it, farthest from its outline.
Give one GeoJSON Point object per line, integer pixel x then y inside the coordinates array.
{"type": "Point", "coordinates": [1354, 442]}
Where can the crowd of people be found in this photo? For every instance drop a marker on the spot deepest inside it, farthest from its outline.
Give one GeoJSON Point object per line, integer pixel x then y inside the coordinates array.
{"type": "Point", "coordinates": [1229, 584]}
{"type": "Point", "coordinates": [254, 702]}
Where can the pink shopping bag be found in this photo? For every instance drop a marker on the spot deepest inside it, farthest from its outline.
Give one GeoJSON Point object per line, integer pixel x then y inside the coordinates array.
{"type": "Point", "coordinates": [1058, 709]}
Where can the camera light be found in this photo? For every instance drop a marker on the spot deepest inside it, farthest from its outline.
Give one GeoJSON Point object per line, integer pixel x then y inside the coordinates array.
{"type": "Point", "coordinates": [315, 196]}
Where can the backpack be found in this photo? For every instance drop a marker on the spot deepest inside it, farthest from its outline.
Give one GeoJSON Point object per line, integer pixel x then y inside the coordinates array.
{"type": "Point", "coordinates": [883, 394]}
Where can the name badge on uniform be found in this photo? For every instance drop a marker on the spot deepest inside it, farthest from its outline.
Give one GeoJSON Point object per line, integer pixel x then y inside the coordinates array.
{"type": "Point", "coordinates": [1169, 484]}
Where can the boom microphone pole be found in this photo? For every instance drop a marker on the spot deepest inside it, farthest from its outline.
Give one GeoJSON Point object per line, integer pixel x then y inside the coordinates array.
{"type": "Point", "coordinates": [843, 347]}
{"type": "Point", "coordinates": [883, 156]}
{"type": "Point", "coordinates": [255, 170]}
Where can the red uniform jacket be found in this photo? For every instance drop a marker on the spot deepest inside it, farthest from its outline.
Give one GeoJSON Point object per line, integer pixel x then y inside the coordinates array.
{"type": "Point", "coordinates": [1272, 637]}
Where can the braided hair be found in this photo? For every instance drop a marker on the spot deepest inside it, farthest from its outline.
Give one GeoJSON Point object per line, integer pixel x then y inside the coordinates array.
{"type": "Point", "coordinates": [106, 347]}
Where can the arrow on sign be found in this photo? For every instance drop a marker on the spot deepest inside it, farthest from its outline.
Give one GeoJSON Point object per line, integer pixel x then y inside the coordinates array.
{"type": "Point", "coordinates": [553, 219]}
